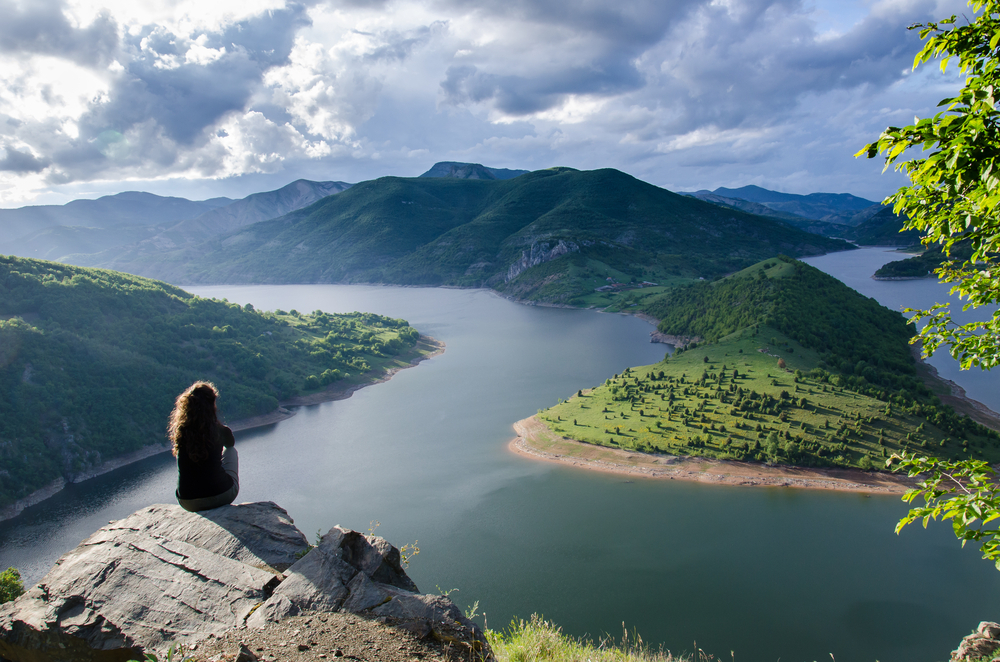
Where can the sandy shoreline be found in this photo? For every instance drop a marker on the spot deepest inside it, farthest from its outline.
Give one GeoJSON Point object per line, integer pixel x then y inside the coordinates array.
{"type": "Point", "coordinates": [430, 346]}
{"type": "Point", "coordinates": [536, 441]}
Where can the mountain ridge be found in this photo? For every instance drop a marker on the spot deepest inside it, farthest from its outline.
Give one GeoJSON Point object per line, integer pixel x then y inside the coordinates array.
{"type": "Point", "coordinates": [460, 170]}
{"type": "Point", "coordinates": [252, 209]}
{"type": "Point", "coordinates": [126, 208]}
{"type": "Point", "coordinates": [493, 233]}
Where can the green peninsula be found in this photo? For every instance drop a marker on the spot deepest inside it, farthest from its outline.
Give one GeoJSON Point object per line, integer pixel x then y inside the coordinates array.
{"type": "Point", "coordinates": [792, 367]}
{"type": "Point", "coordinates": [91, 360]}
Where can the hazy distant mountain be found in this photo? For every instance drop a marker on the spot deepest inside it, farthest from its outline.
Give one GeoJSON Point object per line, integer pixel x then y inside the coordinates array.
{"type": "Point", "coordinates": [841, 208]}
{"type": "Point", "coordinates": [471, 171]}
{"type": "Point", "coordinates": [120, 249]}
{"type": "Point", "coordinates": [258, 207]}
{"type": "Point", "coordinates": [123, 209]}
{"type": "Point", "coordinates": [744, 205]}
{"type": "Point", "coordinates": [549, 235]}
{"type": "Point", "coordinates": [55, 242]}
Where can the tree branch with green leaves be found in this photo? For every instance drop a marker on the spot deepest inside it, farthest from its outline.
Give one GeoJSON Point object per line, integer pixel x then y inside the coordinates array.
{"type": "Point", "coordinates": [964, 492]}
{"type": "Point", "coordinates": [955, 183]}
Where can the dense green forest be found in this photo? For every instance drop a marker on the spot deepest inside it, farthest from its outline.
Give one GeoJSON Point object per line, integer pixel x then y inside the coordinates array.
{"type": "Point", "coordinates": [551, 235]}
{"type": "Point", "coordinates": [794, 367]}
{"type": "Point", "coordinates": [91, 360]}
{"type": "Point", "coordinates": [923, 265]}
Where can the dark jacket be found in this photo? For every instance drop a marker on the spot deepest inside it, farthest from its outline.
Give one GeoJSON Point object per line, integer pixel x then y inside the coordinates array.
{"type": "Point", "coordinates": [197, 480]}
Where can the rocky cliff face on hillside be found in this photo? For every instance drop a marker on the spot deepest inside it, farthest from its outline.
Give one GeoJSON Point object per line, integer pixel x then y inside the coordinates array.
{"type": "Point", "coordinates": [163, 575]}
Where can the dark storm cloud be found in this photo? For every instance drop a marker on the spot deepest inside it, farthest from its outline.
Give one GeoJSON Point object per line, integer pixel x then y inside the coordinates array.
{"type": "Point", "coordinates": [521, 95]}
{"type": "Point", "coordinates": [397, 46]}
{"type": "Point", "coordinates": [617, 33]}
{"type": "Point", "coordinates": [635, 24]}
{"type": "Point", "coordinates": [40, 27]}
{"type": "Point", "coordinates": [183, 100]}
{"type": "Point", "coordinates": [22, 162]}
{"type": "Point", "coordinates": [754, 66]}
{"type": "Point", "coordinates": [267, 39]}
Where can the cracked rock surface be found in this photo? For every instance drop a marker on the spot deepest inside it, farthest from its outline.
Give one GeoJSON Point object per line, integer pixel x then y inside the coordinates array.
{"type": "Point", "coordinates": [163, 575]}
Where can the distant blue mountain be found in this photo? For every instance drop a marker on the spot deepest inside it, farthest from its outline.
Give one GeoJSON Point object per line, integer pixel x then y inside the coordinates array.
{"type": "Point", "coordinates": [838, 208]}
{"type": "Point", "coordinates": [132, 208]}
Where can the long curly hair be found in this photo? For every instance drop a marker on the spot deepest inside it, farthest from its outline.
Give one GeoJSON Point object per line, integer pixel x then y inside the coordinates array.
{"type": "Point", "coordinates": [194, 420]}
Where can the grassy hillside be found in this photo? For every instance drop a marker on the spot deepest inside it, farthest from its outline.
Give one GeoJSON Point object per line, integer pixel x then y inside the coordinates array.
{"type": "Point", "coordinates": [796, 368]}
{"type": "Point", "coordinates": [552, 235]}
{"type": "Point", "coordinates": [91, 360]}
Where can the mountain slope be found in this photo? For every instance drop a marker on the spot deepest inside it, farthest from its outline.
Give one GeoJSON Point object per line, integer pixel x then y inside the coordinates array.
{"type": "Point", "coordinates": [882, 229]}
{"type": "Point", "coordinates": [524, 236]}
{"type": "Point", "coordinates": [802, 223]}
{"type": "Point", "coordinates": [128, 208]}
{"type": "Point", "coordinates": [247, 211]}
{"type": "Point", "coordinates": [90, 361]}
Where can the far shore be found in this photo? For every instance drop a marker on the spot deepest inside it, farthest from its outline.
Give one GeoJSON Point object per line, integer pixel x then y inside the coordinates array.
{"type": "Point", "coordinates": [536, 441]}
{"type": "Point", "coordinates": [428, 346]}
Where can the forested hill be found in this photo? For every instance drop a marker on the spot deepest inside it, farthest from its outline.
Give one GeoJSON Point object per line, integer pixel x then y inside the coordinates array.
{"type": "Point", "coordinates": [551, 235]}
{"type": "Point", "coordinates": [91, 360]}
{"type": "Point", "coordinates": [852, 334]}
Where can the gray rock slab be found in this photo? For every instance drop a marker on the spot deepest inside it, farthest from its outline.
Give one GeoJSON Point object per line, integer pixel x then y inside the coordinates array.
{"type": "Point", "coordinates": [159, 576]}
{"type": "Point", "coordinates": [162, 576]}
{"type": "Point", "coordinates": [260, 534]}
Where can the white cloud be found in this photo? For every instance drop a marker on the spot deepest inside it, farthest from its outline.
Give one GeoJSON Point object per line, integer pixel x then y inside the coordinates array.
{"type": "Point", "coordinates": [681, 93]}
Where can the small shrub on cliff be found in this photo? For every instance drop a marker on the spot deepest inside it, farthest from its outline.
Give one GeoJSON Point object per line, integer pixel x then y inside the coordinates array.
{"type": "Point", "coordinates": [539, 640]}
{"type": "Point", "coordinates": [10, 585]}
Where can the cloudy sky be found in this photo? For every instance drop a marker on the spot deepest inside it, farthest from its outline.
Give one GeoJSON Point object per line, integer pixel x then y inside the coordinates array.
{"type": "Point", "coordinates": [226, 97]}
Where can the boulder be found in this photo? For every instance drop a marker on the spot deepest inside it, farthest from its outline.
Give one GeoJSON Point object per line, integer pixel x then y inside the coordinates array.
{"type": "Point", "coordinates": [352, 572]}
{"type": "Point", "coordinates": [164, 575]}
{"type": "Point", "coordinates": [980, 645]}
{"type": "Point", "coordinates": [160, 575]}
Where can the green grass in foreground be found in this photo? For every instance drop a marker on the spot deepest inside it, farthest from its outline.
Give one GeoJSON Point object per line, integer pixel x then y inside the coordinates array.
{"type": "Point", "coordinates": [733, 400]}
{"type": "Point", "coordinates": [542, 641]}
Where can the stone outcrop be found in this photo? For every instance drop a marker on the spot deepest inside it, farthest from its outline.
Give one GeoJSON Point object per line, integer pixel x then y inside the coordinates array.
{"type": "Point", "coordinates": [538, 253]}
{"type": "Point", "coordinates": [679, 342]}
{"type": "Point", "coordinates": [983, 644]}
{"type": "Point", "coordinates": [164, 575]}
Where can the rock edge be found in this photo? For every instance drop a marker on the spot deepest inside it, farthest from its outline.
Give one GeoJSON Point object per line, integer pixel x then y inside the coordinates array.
{"type": "Point", "coordinates": [163, 575]}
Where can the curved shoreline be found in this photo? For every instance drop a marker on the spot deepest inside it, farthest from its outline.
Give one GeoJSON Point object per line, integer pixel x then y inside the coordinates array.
{"type": "Point", "coordinates": [534, 440]}
{"type": "Point", "coordinates": [430, 347]}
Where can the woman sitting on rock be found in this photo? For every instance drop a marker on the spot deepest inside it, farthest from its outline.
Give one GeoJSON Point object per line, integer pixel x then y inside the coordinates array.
{"type": "Point", "coordinates": [207, 461]}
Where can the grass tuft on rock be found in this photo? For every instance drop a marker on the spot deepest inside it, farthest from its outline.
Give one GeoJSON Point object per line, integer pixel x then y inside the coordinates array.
{"type": "Point", "coordinates": [538, 640]}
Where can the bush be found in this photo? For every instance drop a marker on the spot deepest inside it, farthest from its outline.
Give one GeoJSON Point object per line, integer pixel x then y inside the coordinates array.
{"type": "Point", "coordinates": [10, 585]}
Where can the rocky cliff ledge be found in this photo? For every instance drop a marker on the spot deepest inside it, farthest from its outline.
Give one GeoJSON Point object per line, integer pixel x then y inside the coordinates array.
{"type": "Point", "coordinates": [164, 575]}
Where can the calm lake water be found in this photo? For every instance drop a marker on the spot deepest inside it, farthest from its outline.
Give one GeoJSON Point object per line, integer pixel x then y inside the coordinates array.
{"type": "Point", "coordinates": [766, 573]}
